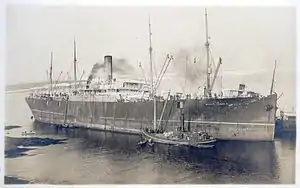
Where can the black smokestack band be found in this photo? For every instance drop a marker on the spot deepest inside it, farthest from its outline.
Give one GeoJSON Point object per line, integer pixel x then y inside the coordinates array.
{"type": "Point", "coordinates": [108, 65]}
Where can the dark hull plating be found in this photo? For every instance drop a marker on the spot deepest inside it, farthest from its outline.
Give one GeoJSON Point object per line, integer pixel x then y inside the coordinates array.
{"type": "Point", "coordinates": [228, 119]}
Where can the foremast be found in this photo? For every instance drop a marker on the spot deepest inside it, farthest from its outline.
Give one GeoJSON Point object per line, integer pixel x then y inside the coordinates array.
{"type": "Point", "coordinates": [273, 79]}
{"type": "Point", "coordinates": [151, 76]}
{"type": "Point", "coordinates": [207, 91]}
{"type": "Point", "coordinates": [51, 72]}
{"type": "Point", "coordinates": [75, 64]}
{"type": "Point", "coordinates": [209, 83]}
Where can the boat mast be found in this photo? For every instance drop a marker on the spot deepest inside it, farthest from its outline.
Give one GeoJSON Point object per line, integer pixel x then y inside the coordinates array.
{"type": "Point", "coordinates": [150, 56]}
{"type": "Point", "coordinates": [50, 76]}
{"type": "Point", "coordinates": [75, 63]}
{"type": "Point", "coordinates": [151, 74]}
{"type": "Point", "coordinates": [208, 89]}
{"type": "Point", "coordinates": [273, 78]}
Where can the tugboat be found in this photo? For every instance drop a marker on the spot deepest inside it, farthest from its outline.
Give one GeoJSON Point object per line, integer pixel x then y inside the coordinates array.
{"type": "Point", "coordinates": [180, 137]}
{"type": "Point", "coordinates": [25, 133]}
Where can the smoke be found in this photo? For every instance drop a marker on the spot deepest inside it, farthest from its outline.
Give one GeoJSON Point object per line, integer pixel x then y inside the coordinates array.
{"type": "Point", "coordinates": [94, 71]}
{"type": "Point", "coordinates": [190, 65]}
{"type": "Point", "coordinates": [119, 66]}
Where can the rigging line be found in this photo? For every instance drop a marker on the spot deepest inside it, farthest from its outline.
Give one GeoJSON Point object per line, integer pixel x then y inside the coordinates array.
{"type": "Point", "coordinates": [212, 67]}
{"type": "Point", "coordinates": [193, 71]}
{"type": "Point", "coordinates": [200, 53]}
{"type": "Point", "coordinates": [197, 75]}
{"type": "Point", "coordinates": [212, 59]}
{"type": "Point", "coordinates": [65, 75]}
{"type": "Point", "coordinates": [200, 61]}
{"type": "Point", "coordinates": [186, 62]}
{"type": "Point", "coordinates": [47, 76]}
{"type": "Point", "coordinates": [154, 62]}
{"type": "Point", "coordinates": [162, 69]}
{"type": "Point", "coordinates": [169, 115]}
{"type": "Point", "coordinates": [77, 67]}
{"type": "Point", "coordinates": [143, 72]}
{"type": "Point", "coordinates": [201, 85]}
{"type": "Point", "coordinates": [181, 87]}
{"type": "Point", "coordinates": [68, 71]}
{"type": "Point", "coordinates": [219, 76]}
{"type": "Point", "coordinates": [164, 72]}
{"type": "Point", "coordinates": [186, 69]}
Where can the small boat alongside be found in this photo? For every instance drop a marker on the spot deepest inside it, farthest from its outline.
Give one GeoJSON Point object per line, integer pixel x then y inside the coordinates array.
{"type": "Point", "coordinates": [180, 138]}
{"type": "Point", "coordinates": [25, 133]}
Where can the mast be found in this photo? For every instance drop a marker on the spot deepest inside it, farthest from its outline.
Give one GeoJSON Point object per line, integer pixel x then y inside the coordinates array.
{"type": "Point", "coordinates": [185, 74]}
{"type": "Point", "coordinates": [150, 56]}
{"type": "Point", "coordinates": [151, 74]}
{"type": "Point", "coordinates": [208, 89]}
{"type": "Point", "coordinates": [273, 78]}
{"type": "Point", "coordinates": [50, 76]}
{"type": "Point", "coordinates": [75, 62]}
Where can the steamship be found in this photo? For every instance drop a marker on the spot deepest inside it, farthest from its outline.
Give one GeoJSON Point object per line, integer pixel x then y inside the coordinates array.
{"type": "Point", "coordinates": [129, 105]}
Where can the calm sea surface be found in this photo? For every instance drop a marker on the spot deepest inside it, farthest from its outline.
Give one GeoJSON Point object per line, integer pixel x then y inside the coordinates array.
{"type": "Point", "coordinates": [76, 156]}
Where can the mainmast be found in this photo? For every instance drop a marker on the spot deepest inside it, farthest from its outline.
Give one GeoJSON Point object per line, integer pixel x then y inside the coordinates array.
{"type": "Point", "coordinates": [50, 76]}
{"type": "Point", "coordinates": [208, 87]}
{"type": "Point", "coordinates": [75, 64]}
{"type": "Point", "coordinates": [151, 74]}
{"type": "Point", "coordinates": [150, 56]}
{"type": "Point", "coordinates": [273, 79]}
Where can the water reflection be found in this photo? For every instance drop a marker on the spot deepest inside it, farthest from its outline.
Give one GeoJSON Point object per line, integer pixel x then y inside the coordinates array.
{"type": "Point", "coordinates": [228, 162]}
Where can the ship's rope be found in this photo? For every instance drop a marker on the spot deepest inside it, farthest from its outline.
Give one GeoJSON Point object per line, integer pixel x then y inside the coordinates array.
{"type": "Point", "coordinates": [67, 73]}
{"type": "Point", "coordinates": [212, 59]}
{"type": "Point", "coordinates": [194, 70]}
{"type": "Point", "coordinates": [168, 117]}
{"type": "Point", "coordinates": [186, 63]}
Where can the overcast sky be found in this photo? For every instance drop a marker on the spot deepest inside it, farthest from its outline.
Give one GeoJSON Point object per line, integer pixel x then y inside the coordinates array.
{"type": "Point", "coordinates": [248, 39]}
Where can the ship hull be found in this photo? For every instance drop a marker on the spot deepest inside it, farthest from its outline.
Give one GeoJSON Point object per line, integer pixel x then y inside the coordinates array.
{"type": "Point", "coordinates": [226, 119]}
